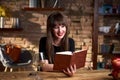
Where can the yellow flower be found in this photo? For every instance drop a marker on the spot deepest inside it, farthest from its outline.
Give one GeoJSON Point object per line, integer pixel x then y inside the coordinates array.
{"type": "Point", "coordinates": [4, 12]}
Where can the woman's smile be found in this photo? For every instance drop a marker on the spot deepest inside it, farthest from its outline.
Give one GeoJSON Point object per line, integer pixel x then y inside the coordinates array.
{"type": "Point", "coordinates": [61, 34]}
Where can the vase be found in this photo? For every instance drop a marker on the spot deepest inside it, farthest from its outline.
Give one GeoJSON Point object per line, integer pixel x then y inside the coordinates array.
{"type": "Point", "coordinates": [33, 3]}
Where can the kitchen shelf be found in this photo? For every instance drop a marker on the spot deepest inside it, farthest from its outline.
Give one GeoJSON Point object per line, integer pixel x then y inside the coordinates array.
{"type": "Point", "coordinates": [112, 14]}
{"type": "Point", "coordinates": [11, 29]}
{"type": "Point", "coordinates": [42, 9]}
{"type": "Point", "coordinates": [109, 34]}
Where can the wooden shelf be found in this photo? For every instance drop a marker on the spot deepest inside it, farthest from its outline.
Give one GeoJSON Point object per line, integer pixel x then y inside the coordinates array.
{"type": "Point", "coordinates": [42, 9]}
{"type": "Point", "coordinates": [112, 14]}
{"type": "Point", "coordinates": [11, 29]}
{"type": "Point", "coordinates": [109, 34]}
{"type": "Point", "coordinates": [109, 54]}
{"type": "Point", "coordinates": [106, 54]}
{"type": "Point", "coordinates": [99, 19]}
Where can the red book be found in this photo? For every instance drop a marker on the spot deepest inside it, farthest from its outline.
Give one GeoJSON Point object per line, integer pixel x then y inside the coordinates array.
{"type": "Point", "coordinates": [63, 60]}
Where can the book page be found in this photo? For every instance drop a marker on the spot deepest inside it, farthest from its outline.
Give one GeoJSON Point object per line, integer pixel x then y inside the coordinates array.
{"type": "Point", "coordinates": [65, 53]}
{"type": "Point", "coordinates": [79, 50]}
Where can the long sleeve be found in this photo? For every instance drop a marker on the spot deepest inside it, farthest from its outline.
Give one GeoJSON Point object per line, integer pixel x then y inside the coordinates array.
{"type": "Point", "coordinates": [71, 45]}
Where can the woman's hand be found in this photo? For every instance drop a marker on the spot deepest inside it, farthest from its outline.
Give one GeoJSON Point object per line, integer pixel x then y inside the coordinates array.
{"type": "Point", "coordinates": [44, 61]}
{"type": "Point", "coordinates": [70, 71]}
{"type": "Point", "coordinates": [46, 66]}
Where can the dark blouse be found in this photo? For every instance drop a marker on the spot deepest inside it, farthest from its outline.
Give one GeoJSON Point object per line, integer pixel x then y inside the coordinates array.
{"type": "Point", "coordinates": [42, 46]}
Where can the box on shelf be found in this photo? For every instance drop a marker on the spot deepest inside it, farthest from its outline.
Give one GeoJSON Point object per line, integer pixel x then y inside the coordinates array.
{"type": "Point", "coordinates": [105, 9]}
{"type": "Point", "coordinates": [116, 49]}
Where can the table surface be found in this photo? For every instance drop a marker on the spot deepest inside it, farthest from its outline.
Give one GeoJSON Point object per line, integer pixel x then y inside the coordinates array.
{"type": "Point", "coordinates": [79, 75]}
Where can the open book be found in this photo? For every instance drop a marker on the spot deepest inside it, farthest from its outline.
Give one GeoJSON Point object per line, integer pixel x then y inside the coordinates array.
{"type": "Point", "coordinates": [63, 60]}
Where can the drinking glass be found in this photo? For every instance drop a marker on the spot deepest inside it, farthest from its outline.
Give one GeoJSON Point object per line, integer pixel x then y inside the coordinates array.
{"type": "Point", "coordinates": [36, 61]}
{"type": "Point", "coordinates": [35, 75]}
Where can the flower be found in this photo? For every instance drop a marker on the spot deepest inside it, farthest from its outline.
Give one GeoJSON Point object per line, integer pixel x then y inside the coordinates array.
{"type": "Point", "coordinates": [4, 12]}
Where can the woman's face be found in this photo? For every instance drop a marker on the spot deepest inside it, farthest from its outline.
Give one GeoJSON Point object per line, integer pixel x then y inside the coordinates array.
{"type": "Point", "coordinates": [59, 31]}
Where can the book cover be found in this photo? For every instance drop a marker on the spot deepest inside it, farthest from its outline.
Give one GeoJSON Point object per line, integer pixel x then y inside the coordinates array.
{"type": "Point", "coordinates": [63, 60]}
{"type": "Point", "coordinates": [105, 48]}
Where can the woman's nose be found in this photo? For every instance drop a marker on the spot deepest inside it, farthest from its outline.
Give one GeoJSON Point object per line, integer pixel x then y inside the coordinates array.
{"type": "Point", "coordinates": [60, 28]}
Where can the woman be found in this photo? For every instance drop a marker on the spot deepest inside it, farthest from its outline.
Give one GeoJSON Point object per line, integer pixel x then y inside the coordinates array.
{"type": "Point", "coordinates": [57, 40]}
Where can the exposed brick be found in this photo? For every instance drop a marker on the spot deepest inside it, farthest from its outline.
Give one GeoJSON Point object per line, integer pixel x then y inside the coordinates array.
{"type": "Point", "coordinates": [34, 23]}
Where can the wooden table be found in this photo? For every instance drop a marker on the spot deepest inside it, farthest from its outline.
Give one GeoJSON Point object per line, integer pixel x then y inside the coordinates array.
{"type": "Point", "coordinates": [80, 75]}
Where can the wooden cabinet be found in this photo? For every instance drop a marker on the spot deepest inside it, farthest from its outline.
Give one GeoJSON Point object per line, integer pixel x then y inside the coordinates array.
{"type": "Point", "coordinates": [100, 19]}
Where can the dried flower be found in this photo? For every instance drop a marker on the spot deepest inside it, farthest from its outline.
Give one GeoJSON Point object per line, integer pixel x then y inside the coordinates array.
{"type": "Point", "coordinates": [4, 12]}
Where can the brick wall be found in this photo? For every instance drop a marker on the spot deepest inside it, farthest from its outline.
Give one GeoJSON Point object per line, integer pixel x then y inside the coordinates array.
{"type": "Point", "coordinates": [78, 12]}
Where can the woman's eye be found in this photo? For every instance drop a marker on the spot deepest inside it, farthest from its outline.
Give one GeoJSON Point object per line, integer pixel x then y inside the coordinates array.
{"type": "Point", "coordinates": [56, 27]}
{"type": "Point", "coordinates": [62, 26]}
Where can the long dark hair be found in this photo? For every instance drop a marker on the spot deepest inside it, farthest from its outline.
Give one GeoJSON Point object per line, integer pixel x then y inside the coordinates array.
{"type": "Point", "coordinates": [53, 19]}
